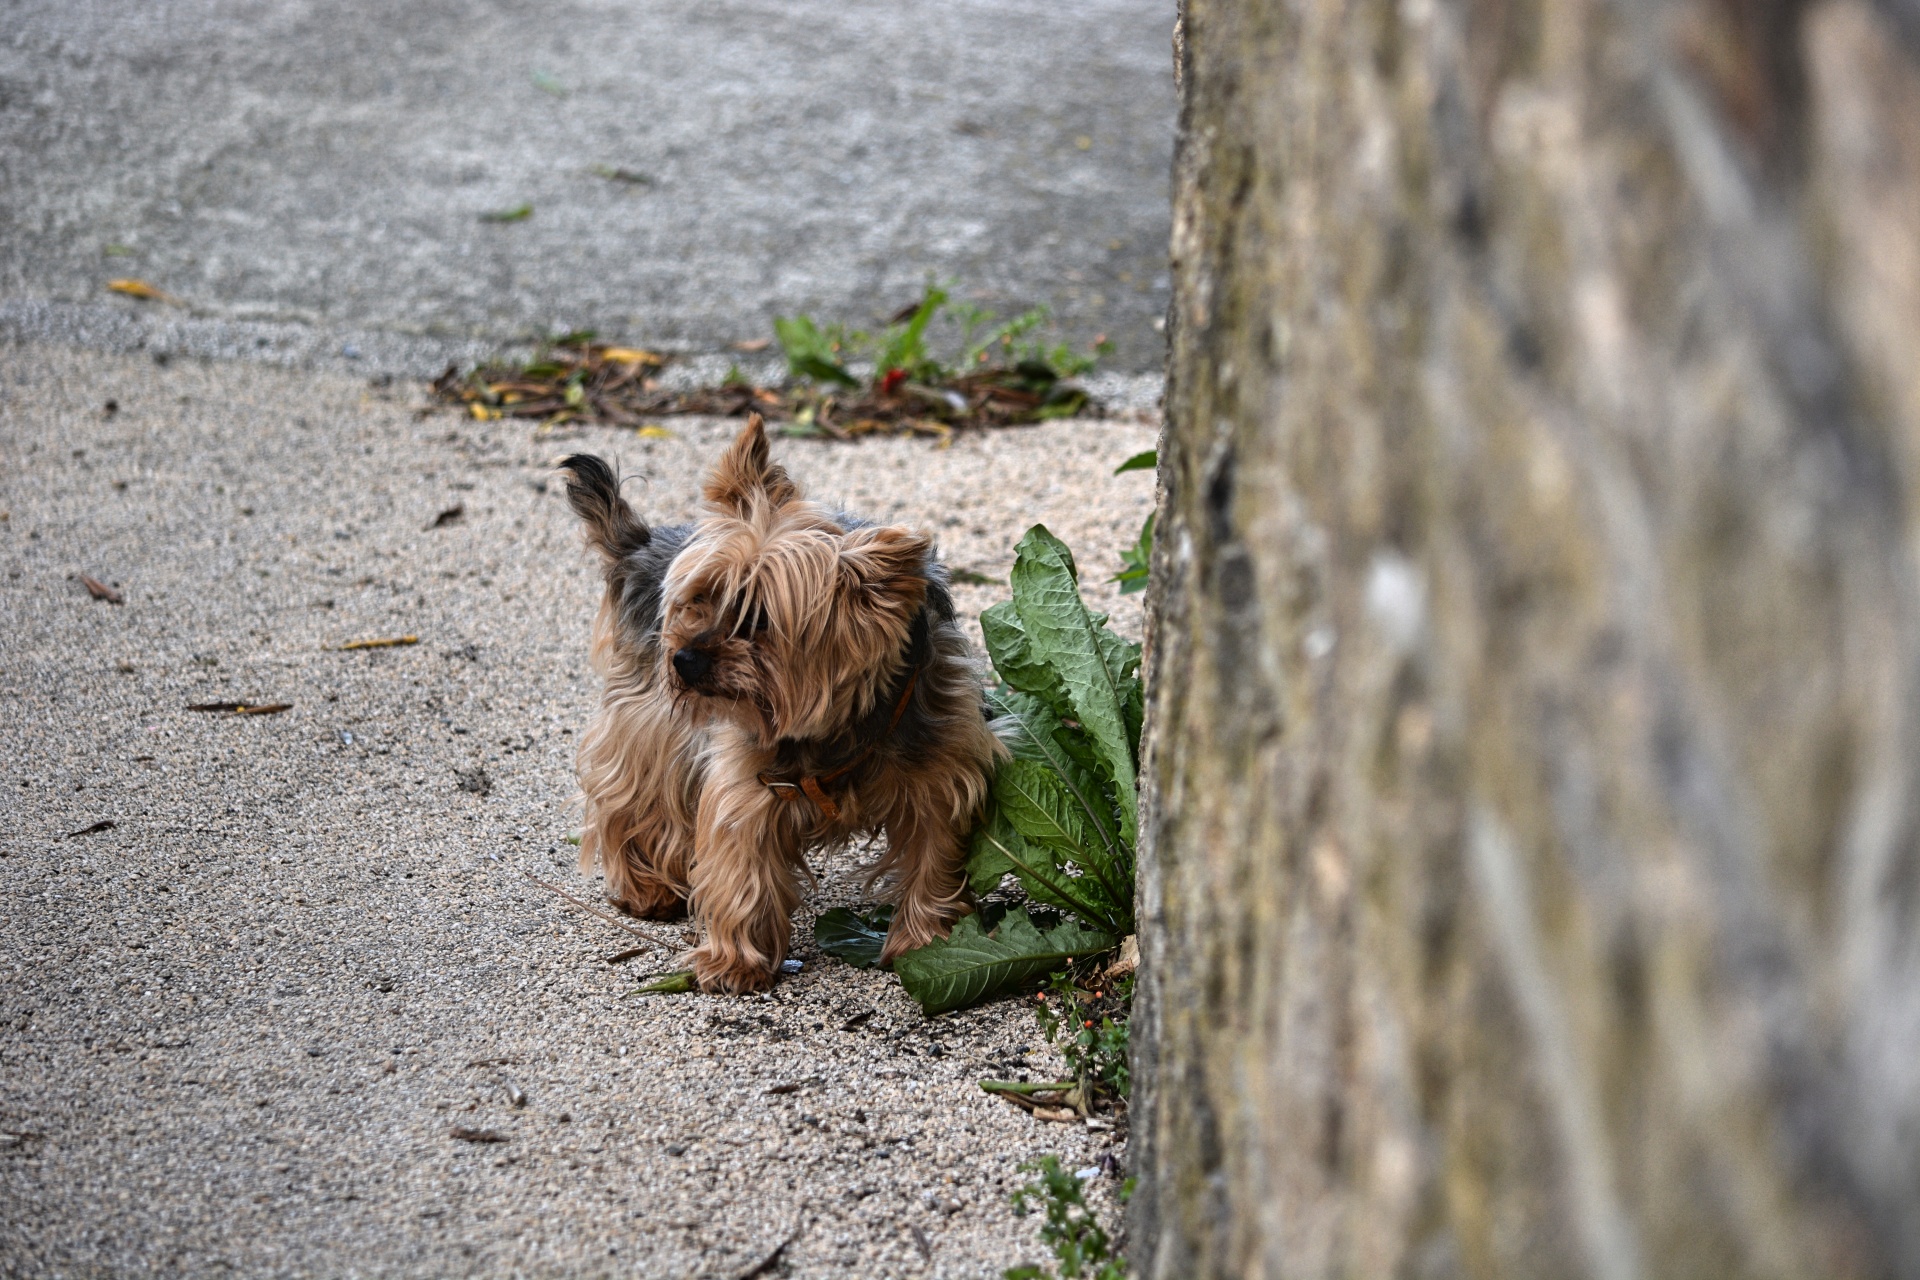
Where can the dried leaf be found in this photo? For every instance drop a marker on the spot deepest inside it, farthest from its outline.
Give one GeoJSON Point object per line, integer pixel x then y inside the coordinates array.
{"type": "Point", "coordinates": [394, 642]}
{"type": "Point", "coordinates": [483, 413]}
{"type": "Point", "coordinates": [140, 289]}
{"type": "Point", "coordinates": [105, 824]}
{"type": "Point", "coordinates": [632, 355]}
{"type": "Point", "coordinates": [465, 1134]}
{"type": "Point", "coordinates": [447, 517]}
{"type": "Point", "coordinates": [654, 431]}
{"type": "Point", "coordinates": [101, 591]}
{"type": "Point", "coordinates": [753, 344]}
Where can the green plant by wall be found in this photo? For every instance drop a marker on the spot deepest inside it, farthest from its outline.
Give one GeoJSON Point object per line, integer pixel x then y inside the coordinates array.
{"type": "Point", "coordinates": [1082, 1250]}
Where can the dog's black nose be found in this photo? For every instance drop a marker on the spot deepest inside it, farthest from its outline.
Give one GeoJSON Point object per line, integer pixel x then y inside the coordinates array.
{"type": "Point", "coordinates": [692, 665]}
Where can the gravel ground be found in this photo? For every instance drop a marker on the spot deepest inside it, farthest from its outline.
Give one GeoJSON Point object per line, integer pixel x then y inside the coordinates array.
{"type": "Point", "coordinates": [242, 1022]}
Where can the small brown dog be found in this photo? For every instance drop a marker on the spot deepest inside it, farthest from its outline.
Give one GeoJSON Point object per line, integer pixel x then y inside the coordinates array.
{"type": "Point", "coordinates": [779, 676]}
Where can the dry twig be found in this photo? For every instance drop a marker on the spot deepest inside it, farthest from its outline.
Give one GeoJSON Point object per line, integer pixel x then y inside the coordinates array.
{"type": "Point", "coordinates": [766, 1263]}
{"type": "Point", "coordinates": [611, 919]}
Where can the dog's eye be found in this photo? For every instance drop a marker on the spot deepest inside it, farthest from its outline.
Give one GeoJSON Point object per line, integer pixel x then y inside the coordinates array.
{"type": "Point", "coordinates": [753, 622]}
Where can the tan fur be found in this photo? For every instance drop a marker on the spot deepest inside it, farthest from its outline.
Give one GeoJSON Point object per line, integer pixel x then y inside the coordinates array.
{"type": "Point", "coordinates": [803, 632]}
{"type": "Point", "coordinates": [639, 767]}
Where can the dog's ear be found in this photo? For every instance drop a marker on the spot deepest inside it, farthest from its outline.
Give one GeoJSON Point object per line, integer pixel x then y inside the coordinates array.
{"type": "Point", "coordinates": [746, 471]}
{"type": "Point", "coordinates": [593, 490]}
{"type": "Point", "coordinates": [887, 560]}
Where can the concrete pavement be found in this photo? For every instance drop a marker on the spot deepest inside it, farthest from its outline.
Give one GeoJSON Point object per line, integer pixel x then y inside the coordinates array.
{"type": "Point", "coordinates": [311, 179]}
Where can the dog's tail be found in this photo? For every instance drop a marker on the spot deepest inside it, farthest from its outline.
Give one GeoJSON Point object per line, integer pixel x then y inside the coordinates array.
{"type": "Point", "coordinates": [593, 490]}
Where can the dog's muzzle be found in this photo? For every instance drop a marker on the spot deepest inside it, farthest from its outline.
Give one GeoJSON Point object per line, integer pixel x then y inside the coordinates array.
{"type": "Point", "coordinates": [692, 665]}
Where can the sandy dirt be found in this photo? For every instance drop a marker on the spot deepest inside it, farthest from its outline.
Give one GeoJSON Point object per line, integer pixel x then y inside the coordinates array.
{"type": "Point", "coordinates": [240, 1025]}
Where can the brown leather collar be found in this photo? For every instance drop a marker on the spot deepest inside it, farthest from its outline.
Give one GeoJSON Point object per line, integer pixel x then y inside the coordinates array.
{"type": "Point", "coordinates": [813, 786]}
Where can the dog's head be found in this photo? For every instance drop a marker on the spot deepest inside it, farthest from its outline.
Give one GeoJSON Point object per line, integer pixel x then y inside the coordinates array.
{"type": "Point", "coordinates": [778, 614]}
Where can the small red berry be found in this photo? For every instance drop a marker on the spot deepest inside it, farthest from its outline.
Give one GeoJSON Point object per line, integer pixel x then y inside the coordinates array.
{"type": "Point", "coordinates": [892, 379]}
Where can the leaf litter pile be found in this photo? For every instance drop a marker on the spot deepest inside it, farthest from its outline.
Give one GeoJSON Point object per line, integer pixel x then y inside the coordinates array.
{"type": "Point", "coordinates": [1001, 375]}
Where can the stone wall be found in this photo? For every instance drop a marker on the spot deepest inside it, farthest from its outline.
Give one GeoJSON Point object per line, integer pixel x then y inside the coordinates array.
{"type": "Point", "coordinates": [1530, 869]}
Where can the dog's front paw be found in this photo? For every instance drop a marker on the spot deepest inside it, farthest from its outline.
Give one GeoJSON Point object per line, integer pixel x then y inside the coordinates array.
{"type": "Point", "coordinates": [727, 973]}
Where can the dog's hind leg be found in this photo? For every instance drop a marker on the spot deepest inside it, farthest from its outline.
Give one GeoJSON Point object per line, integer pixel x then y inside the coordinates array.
{"type": "Point", "coordinates": [640, 777]}
{"type": "Point", "coordinates": [924, 877]}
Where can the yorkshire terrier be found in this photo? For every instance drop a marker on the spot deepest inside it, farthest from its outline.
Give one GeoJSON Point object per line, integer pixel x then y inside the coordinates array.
{"type": "Point", "coordinates": [780, 676]}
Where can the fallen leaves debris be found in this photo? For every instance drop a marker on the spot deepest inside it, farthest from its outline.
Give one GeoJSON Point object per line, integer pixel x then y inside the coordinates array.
{"type": "Point", "coordinates": [101, 591]}
{"type": "Point", "coordinates": [621, 957]}
{"type": "Point", "coordinates": [105, 824]}
{"type": "Point", "coordinates": [465, 1134]}
{"type": "Point", "coordinates": [583, 380]}
{"type": "Point", "coordinates": [243, 708]}
{"type": "Point", "coordinates": [393, 642]}
{"type": "Point", "coordinates": [579, 380]}
{"type": "Point", "coordinates": [780, 1089]}
{"type": "Point", "coordinates": [449, 516]}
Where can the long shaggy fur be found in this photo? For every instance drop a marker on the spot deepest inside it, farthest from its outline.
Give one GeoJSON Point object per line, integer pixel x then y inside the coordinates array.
{"type": "Point", "coordinates": [772, 642]}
